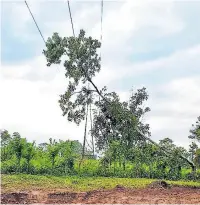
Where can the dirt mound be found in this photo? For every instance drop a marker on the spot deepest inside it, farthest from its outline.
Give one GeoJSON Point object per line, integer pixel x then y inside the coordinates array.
{"type": "Point", "coordinates": [120, 187]}
{"type": "Point", "coordinates": [14, 198]}
{"type": "Point", "coordinates": [62, 197]}
{"type": "Point", "coordinates": [159, 184]}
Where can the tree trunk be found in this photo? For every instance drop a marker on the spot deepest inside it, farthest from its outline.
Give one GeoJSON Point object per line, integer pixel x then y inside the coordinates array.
{"type": "Point", "coordinates": [28, 166]}
{"type": "Point", "coordinates": [91, 129]}
{"type": "Point", "coordinates": [124, 165]}
{"type": "Point", "coordinates": [4, 155]}
{"type": "Point", "coordinates": [114, 166]}
{"type": "Point", "coordinates": [110, 164]}
{"type": "Point", "coordinates": [120, 163]}
{"type": "Point", "coordinates": [53, 162]}
{"type": "Point", "coordinates": [18, 165]}
{"type": "Point", "coordinates": [166, 152]}
{"type": "Point", "coordinates": [84, 139]}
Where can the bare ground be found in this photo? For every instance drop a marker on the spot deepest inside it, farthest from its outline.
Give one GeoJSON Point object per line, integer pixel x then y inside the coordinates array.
{"type": "Point", "coordinates": [119, 195]}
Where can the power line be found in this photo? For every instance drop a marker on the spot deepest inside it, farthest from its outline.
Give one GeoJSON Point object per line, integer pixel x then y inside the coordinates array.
{"type": "Point", "coordinates": [71, 18]}
{"type": "Point", "coordinates": [101, 25]}
{"type": "Point", "coordinates": [101, 18]}
{"type": "Point", "coordinates": [35, 22]}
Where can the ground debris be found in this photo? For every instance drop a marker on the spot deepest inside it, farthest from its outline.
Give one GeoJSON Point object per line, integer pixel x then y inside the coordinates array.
{"type": "Point", "coordinates": [14, 198]}
{"type": "Point", "coordinates": [159, 184]}
{"type": "Point", "coordinates": [120, 187]}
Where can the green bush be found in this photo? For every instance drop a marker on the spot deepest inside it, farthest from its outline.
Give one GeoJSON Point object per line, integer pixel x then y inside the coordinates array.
{"type": "Point", "coordinates": [9, 166]}
{"type": "Point", "coordinates": [88, 167]}
{"type": "Point", "coordinates": [92, 167]}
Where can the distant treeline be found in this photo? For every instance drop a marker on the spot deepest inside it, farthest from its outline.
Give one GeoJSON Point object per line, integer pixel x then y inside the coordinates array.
{"type": "Point", "coordinates": [64, 157]}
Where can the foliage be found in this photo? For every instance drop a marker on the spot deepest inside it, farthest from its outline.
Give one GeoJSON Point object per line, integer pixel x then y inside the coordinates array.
{"type": "Point", "coordinates": [61, 158]}
{"type": "Point", "coordinates": [5, 138]}
{"type": "Point", "coordinates": [28, 154]}
{"type": "Point", "coordinates": [193, 147]}
{"type": "Point", "coordinates": [195, 131]}
{"type": "Point", "coordinates": [197, 157]}
{"type": "Point", "coordinates": [81, 66]}
{"type": "Point", "coordinates": [18, 145]}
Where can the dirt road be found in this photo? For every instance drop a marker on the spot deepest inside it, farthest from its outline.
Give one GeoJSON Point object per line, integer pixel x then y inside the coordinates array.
{"type": "Point", "coordinates": [175, 195]}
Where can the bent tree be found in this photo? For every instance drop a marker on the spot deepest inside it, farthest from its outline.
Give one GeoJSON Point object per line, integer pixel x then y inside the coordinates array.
{"type": "Point", "coordinates": [114, 121]}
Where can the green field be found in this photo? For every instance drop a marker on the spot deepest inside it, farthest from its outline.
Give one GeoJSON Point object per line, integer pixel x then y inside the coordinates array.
{"type": "Point", "coordinates": [22, 182]}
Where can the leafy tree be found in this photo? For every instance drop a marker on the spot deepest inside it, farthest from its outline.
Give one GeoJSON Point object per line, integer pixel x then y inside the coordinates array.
{"type": "Point", "coordinates": [53, 150]}
{"type": "Point", "coordinates": [114, 152]}
{"type": "Point", "coordinates": [29, 152]}
{"type": "Point", "coordinates": [174, 161]}
{"type": "Point", "coordinates": [167, 143]}
{"type": "Point", "coordinates": [66, 151]}
{"type": "Point", "coordinates": [76, 147]}
{"type": "Point", "coordinates": [197, 157]}
{"type": "Point", "coordinates": [135, 105]}
{"type": "Point", "coordinates": [43, 146]}
{"type": "Point", "coordinates": [192, 149]}
{"type": "Point", "coordinates": [18, 145]}
{"type": "Point", "coordinates": [5, 139]}
{"type": "Point", "coordinates": [81, 66]}
{"type": "Point", "coordinates": [195, 131]}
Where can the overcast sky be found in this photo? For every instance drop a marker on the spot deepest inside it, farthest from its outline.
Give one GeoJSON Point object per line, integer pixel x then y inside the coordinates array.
{"type": "Point", "coordinates": [155, 44]}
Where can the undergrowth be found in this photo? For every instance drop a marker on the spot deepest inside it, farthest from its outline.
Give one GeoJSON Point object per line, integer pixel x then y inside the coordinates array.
{"type": "Point", "coordinates": [24, 182]}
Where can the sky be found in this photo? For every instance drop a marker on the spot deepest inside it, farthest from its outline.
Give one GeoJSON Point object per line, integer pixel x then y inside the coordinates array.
{"type": "Point", "coordinates": [154, 44]}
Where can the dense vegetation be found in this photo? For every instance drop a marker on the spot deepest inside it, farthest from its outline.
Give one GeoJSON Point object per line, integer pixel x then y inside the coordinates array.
{"type": "Point", "coordinates": [63, 157]}
{"type": "Point", "coordinates": [117, 130]}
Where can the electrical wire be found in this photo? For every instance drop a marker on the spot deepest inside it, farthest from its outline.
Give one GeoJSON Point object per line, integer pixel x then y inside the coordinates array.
{"type": "Point", "coordinates": [101, 20]}
{"type": "Point", "coordinates": [35, 23]}
{"type": "Point", "coordinates": [101, 36]}
{"type": "Point", "coordinates": [71, 18]}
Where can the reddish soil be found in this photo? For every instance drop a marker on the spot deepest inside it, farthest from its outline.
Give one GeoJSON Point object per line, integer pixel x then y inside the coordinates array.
{"type": "Point", "coordinates": [119, 195]}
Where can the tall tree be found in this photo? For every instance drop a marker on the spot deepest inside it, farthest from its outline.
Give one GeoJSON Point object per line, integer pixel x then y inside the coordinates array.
{"type": "Point", "coordinates": [197, 157]}
{"type": "Point", "coordinates": [137, 109]}
{"type": "Point", "coordinates": [28, 154]}
{"type": "Point", "coordinates": [5, 139]}
{"type": "Point", "coordinates": [53, 150]}
{"type": "Point", "coordinates": [192, 149]}
{"type": "Point", "coordinates": [195, 131]}
{"type": "Point", "coordinates": [18, 145]}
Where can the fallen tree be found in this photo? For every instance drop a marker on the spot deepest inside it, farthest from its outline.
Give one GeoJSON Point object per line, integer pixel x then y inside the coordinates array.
{"type": "Point", "coordinates": [82, 64]}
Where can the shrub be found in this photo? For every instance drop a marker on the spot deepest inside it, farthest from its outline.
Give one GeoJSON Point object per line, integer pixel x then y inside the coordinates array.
{"type": "Point", "coordinates": [9, 166]}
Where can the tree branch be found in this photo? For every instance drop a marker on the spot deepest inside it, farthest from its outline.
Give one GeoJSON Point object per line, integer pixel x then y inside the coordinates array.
{"type": "Point", "coordinates": [81, 92]}
{"type": "Point", "coordinates": [165, 152]}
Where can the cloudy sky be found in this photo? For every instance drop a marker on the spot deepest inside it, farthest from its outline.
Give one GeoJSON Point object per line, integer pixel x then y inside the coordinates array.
{"type": "Point", "coordinates": [154, 44]}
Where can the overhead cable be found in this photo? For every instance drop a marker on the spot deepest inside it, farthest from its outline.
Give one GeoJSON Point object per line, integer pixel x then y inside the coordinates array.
{"type": "Point", "coordinates": [71, 18]}
{"type": "Point", "coordinates": [35, 23]}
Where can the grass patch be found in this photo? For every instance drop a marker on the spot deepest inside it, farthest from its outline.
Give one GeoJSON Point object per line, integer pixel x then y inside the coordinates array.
{"type": "Point", "coordinates": [24, 182]}
{"type": "Point", "coordinates": [185, 183]}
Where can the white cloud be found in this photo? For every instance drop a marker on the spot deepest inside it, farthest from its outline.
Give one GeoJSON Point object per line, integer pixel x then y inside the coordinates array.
{"type": "Point", "coordinates": [121, 20]}
{"type": "Point", "coordinates": [173, 114]}
{"type": "Point", "coordinates": [30, 107]}
{"type": "Point", "coordinates": [181, 61]}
